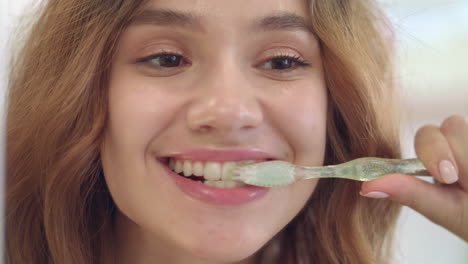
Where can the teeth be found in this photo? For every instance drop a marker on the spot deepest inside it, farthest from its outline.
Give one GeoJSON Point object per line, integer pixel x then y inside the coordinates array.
{"type": "Point", "coordinates": [178, 167]}
{"type": "Point", "coordinates": [172, 164]}
{"type": "Point", "coordinates": [212, 171]}
{"type": "Point", "coordinates": [233, 184]}
{"type": "Point", "coordinates": [216, 174]}
{"type": "Point", "coordinates": [227, 166]}
{"type": "Point", "coordinates": [187, 168]}
{"type": "Point", "coordinates": [224, 184]}
{"type": "Point", "coordinates": [197, 168]}
{"type": "Point", "coordinates": [214, 183]}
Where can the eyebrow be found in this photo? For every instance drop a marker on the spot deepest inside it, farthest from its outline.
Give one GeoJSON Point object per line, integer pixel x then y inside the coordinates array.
{"type": "Point", "coordinates": [283, 21]}
{"type": "Point", "coordinates": [165, 17]}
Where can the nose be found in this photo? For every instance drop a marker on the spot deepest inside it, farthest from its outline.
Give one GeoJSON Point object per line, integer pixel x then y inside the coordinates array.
{"type": "Point", "coordinates": [225, 103]}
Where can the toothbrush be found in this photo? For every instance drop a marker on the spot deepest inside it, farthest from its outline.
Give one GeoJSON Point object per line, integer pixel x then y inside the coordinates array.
{"type": "Point", "coordinates": [281, 173]}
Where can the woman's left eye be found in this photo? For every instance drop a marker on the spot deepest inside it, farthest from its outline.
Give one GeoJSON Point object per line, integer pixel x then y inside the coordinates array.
{"type": "Point", "coordinates": [284, 63]}
{"type": "Point", "coordinates": [164, 60]}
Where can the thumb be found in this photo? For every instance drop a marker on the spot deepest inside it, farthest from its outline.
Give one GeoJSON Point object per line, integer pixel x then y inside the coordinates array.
{"type": "Point", "coordinates": [439, 203]}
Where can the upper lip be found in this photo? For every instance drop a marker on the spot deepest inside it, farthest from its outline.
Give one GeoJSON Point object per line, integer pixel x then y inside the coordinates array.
{"type": "Point", "coordinates": [222, 155]}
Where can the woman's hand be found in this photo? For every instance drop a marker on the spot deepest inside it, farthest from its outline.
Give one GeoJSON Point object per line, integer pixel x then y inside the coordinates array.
{"type": "Point", "coordinates": [444, 152]}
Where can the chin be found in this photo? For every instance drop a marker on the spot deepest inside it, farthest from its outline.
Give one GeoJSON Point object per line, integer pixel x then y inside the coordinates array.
{"type": "Point", "coordinates": [226, 252]}
{"type": "Point", "coordinates": [227, 247]}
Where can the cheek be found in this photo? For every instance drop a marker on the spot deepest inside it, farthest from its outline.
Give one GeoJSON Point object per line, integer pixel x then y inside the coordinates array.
{"type": "Point", "coordinates": [309, 136]}
{"type": "Point", "coordinates": [137, 113]}
{"type": "Point", "coordinates": [300, 115]}
{"type": "Point", "coordinates": [140, 108]}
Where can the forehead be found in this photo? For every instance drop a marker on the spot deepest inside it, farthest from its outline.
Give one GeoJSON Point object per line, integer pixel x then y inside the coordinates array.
{"type": "Point", "coordinates": [232, 9]}
{"type": "Point", "coordinates": [227, 15]}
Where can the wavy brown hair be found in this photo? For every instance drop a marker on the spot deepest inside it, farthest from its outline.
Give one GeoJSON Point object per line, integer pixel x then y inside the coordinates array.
{"type": "Point", "coordinates": [58, 208]}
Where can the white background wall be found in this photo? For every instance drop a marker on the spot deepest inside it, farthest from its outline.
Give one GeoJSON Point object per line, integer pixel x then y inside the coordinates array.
{"type": "Point", "coordinates": [433, 58]}
{"type": "Point", "coordinates": [432, 46]}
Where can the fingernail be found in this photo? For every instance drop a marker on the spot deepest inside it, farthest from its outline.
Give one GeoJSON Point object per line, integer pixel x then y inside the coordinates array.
{"type": "Point", "coordinates": [448, 172]}
{"type": "Point", "coordinates": [375, 195]}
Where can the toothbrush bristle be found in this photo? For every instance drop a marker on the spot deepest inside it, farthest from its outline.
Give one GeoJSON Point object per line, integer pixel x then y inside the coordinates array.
{"type": "Point", "coordinates": [265, 174]}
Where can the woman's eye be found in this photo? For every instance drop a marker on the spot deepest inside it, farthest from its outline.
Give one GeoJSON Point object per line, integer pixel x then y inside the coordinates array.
{"type": "Point", "coordinates": [283, 63]}
{"type": "Point", "coordinates": [170, 60]}
{"type": "Point", "coordinates": [164, 60]}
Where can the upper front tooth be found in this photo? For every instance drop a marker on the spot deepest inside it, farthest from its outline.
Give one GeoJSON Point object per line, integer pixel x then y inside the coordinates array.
{"type": "Point", "coordinates": [227, 166]}
{"type": "Point", "coordinates": [178, 166]}
{"type": "Point", "coordinates": [187, 168]}
{"type": "Point", "coordinates": [197, 168]}
{"type": "Point", "coordinates": [212, 171]}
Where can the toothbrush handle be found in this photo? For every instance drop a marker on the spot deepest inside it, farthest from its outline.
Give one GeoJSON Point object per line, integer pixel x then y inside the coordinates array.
{"type": "Point", "coordinates": [364, 169]}
{"type": "Point", "coordinates": [413, 167]}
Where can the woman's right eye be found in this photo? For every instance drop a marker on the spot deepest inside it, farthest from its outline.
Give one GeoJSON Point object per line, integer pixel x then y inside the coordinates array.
{"type": "Point", "coordinates": [163, 60]}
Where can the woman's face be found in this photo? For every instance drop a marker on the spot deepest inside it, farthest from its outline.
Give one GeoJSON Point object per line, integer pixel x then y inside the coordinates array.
{"type": "Point", "coordinates": [203, 84]}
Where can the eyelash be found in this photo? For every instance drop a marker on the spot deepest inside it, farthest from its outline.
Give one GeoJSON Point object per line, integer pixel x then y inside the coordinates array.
{"type": "Point", "coordinates": [297, 61]}
{"type": "Point", "coordinates": [147, 60]}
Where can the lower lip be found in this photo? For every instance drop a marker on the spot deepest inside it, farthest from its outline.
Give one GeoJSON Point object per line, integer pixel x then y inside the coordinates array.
{"type": "Point", "coordinates": [219, 196]}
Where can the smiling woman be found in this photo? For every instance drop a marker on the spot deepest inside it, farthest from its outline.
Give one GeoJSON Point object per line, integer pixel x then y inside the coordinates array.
{"type": "Point", "coordinates": [125, 117]}
{"type": "Point", "coordinates": [123, 90]}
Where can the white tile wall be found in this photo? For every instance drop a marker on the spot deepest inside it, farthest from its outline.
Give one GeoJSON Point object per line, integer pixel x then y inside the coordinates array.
{"type": "Point", "coordinates": [432, 39]}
